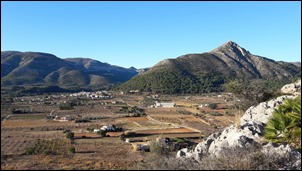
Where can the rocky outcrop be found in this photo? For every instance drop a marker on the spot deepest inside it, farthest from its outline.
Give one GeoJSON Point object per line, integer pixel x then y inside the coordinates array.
{"type": "Point", "coordinates": [293, 88]}
{"type": "Point", "coordinates": [261, 113]}
{"type": "Point", "coordinates": [248, 134]}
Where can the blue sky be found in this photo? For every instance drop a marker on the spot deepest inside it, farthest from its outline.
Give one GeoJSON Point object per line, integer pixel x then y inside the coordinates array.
{"type": "Point", "coordinates": [141, 34]}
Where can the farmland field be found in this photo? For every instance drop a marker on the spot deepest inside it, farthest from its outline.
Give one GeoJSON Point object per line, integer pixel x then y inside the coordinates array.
{"type": "Point", "coordinates": [32, 139]}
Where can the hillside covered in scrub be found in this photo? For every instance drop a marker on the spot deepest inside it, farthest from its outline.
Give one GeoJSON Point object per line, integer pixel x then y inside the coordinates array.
{"type": "Point", "coordinates": [43, 69]}
{"type": "Point", "coordinates": [208, 72]}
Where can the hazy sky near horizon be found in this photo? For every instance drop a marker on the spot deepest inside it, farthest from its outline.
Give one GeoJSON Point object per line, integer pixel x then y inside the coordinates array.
{"type": "Point", "coordinates": [140, 34]}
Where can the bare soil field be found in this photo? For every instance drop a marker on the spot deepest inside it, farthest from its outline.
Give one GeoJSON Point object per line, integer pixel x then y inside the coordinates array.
{"type": "Point", "coordinates": [106, 157]}
{"type": "Point", "coordinates": [197, 136]}
{"type": "Point", "coordinates": [143, 119]}
{"type": "Point", "coordinates": [33, 123]}
{"type": "Point", "coordinates": [164, 131]}
{"type": "Point", "coordinates": [31, 129]}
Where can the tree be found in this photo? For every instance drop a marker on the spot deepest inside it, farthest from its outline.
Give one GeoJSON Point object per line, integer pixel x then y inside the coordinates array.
{"type": "Point", "coordinates": [102, 133]}
{"type": "Point", "coordinates": [212, 105]}
{"type": "Point", "coordinates": [70, 135]}
{"type": "Point", "coordinates": [71, 149]}
{"type": "Point", "coordinates": [285, 124]}
{"type": "Point", "coordinates": [30, 151]}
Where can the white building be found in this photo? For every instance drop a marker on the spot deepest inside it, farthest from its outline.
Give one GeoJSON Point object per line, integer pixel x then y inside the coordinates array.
{"type": "Point", "coordinates": [96, 130]}
{"type": "Point", "coordinates": [108, 128]}
{"type": "Point", "coordinates": [63, 119]}
{"type": "Point", "coordinates": [204, 105]}
{"type": "Point", "coordinates": [157, 104]}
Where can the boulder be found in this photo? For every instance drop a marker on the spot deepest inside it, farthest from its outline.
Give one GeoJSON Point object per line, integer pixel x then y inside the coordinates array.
{"type": "Point", "coordinates": [263, 111]}
{"type": "Point", "coordinates": [293, 88]}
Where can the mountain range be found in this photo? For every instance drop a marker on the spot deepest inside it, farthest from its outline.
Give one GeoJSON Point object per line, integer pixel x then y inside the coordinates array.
{"type": "Point", "coordinates": [190, 73]}
{"type": "Point", "coordinates": [35, 68]}
{"type": "Point", "coordinates": [207, 72]}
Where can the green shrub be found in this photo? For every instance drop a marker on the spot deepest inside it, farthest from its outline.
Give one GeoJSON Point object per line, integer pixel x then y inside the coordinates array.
{"type": "Point", "coordinates": [229, 113]}
{"type": "Point", "coordinates": [216, 114]}
{"type": "Point", "coordinates": [212, 105]}
{"type": "Point", "coordinates": [102, 133]}
{"type": "Point", "coordinates": [30, 151]}
{"type": "Point", "coordinates": [47, 152]}
{"type": "Point", "coordinates": [285, 124]}
{"type": "Point", "coordinates": [71, 149]}
{"type": "Point", "coordinates": [70, 135]}
{"type": "Point", "coordinates": [180, 140]}
{"type": "Point", "coordinates": [66, 106]}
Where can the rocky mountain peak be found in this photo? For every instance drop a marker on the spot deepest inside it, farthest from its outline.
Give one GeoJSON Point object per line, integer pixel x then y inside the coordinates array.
{"type": "Point", "coordinates": [231, 48]}
{"type": "Point", "coordinates": [231, 43]}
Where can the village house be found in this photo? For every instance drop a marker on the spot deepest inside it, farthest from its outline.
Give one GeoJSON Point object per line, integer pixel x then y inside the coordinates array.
{"type": "Point", "coordinates": [204, 105]}
{"type": "Point", "coordinates": [96, 130]}
{"type": "Point", "coordinates": [157, 104]}
{"type": "Point", "coordinates": [134, 91]}
{"type": "Point", "coordinates": [63, 119]}
{"type": "Point", "coordinates": [94, 96]}
{"type": "Point", "coordinates": [141, 146]}
{"type": "Point", "coordinates": [107, 128]}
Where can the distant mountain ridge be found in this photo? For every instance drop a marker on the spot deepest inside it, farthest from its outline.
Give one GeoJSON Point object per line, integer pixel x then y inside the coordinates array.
{"type": "Point", "coordinates": [206, 72]}
{"type": "Point", "coordinates": [36, 68]}
{"type": "Point", "coordinates": [189, 73]}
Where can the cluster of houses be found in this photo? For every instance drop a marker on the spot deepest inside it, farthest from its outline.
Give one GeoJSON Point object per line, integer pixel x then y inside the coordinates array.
{"type": "Point", "coordinates": [134, 91]}
{"type": "Point", "coordinates": [130, 91]}
{"type": "Point", "coordinates": [60, 118]}
{"type": "Point", "coordinates": [154, 96]}
{"type": "Point", "coordinates": [63, 118]}
{"type": "Point", "coordinates": [204, 105]}
{"type": "Point", "coordinates": [93, 95]}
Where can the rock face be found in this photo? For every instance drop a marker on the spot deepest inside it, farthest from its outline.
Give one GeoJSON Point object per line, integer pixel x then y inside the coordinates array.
{"type": "Point", "coordinates": [248, 134]}
{"type": "Point", "coordinates": [292, 88]}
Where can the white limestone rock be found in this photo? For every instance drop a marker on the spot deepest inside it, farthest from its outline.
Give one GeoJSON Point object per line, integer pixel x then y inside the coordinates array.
{"type": "Point", "coordinates": [292, 88]}
{"type": "Point", "coordinates": [184, 153]}
{"type": "Point", "coordinates": [247, 135]}
{"type": "Point", "coordinates": [263, 111]}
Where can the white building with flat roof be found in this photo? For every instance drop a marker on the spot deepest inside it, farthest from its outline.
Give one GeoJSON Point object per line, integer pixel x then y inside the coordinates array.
{"type": "Point", "coordinates": [157, 104]}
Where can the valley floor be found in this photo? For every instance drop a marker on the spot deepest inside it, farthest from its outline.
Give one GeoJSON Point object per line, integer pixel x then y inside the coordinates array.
{"type": "Point", "coordinates": [26, 125]}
